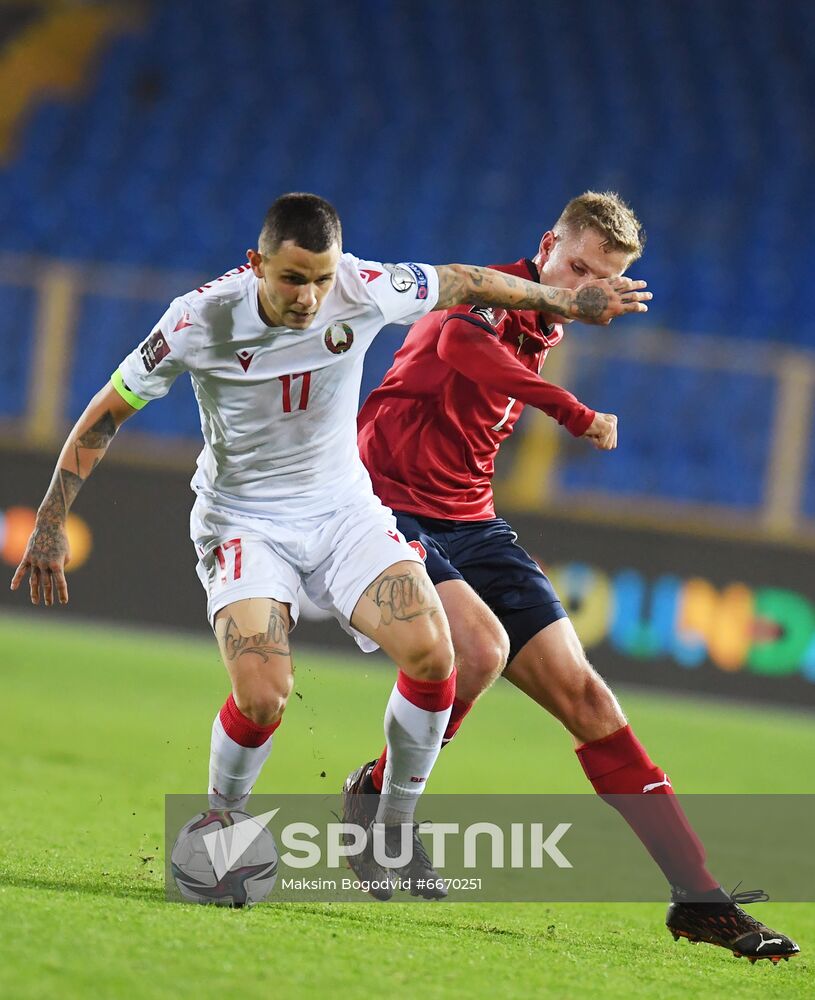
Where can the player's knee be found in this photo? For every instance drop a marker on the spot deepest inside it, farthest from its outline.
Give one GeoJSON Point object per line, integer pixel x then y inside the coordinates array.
{"type": "Point", "coordinates": [430, 658]}
{"type": "Point", "coordinates": [263, 705]}
{"type": "Point", "coordinates": [481, 663]}
{"type": "Point", "coordinates": [591, 701]}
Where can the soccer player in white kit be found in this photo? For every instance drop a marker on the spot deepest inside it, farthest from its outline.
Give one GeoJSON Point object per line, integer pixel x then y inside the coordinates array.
{"type": "Point", "coordinates": [275, 350]}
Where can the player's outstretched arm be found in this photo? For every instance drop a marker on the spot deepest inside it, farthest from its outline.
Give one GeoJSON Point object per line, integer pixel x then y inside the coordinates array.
{"type": "Point", "coordinates": [597, 301]}
{"type": "Point", "coordinates": [47, 551]}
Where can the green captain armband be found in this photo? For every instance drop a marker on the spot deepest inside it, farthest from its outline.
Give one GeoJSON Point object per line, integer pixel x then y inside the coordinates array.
{"type": "Point", "coordinates": [129, 397]}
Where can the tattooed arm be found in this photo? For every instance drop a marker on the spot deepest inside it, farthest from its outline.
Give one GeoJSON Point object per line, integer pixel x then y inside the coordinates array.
{"type": "Point", "coordinates": [47, 551]}
{"type": "Point", "coordinates": [596, 301]}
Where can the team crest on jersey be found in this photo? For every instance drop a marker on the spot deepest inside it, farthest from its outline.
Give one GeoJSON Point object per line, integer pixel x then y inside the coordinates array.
{"type": "Point", "coordinates": [154, 350]}
{"type": "Point", "coordinates": [338, 338]}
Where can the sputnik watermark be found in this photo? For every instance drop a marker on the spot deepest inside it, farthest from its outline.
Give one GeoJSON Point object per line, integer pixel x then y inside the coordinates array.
{"type": "Point", "coordinates": [230, 857]}
{"type": "Point", "coordinates": [527, 846]}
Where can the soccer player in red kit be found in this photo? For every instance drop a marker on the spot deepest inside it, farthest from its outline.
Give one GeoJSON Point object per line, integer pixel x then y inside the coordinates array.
{"type": "Point", "coordinates": [429, 436]}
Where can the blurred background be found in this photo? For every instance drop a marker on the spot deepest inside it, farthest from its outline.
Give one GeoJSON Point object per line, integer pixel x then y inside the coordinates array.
{"type": "Point", "coordinates": [141, 143]}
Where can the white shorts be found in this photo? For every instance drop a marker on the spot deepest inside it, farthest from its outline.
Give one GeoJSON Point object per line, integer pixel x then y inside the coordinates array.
{"type": "Point", "coordinates": [334, 557]}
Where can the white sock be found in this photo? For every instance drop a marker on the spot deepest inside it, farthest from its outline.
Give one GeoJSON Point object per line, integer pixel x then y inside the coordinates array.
{"type": "Point", "coordinates": [414, 736]}
{"type": "Point", "coordinates": [233, 768]}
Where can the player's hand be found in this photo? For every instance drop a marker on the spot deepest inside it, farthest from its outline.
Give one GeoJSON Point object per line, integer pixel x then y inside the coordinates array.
{"type": "Point", "coordinates": [45, 558]}
{"type": "Point", "coordinates": [603, 431]}
{"type": "Point", "coordinates": [598, 301]}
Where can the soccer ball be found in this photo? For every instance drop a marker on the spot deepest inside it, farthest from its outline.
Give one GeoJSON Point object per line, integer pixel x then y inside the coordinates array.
{"type": "Point", "coordinates": [225, 857]}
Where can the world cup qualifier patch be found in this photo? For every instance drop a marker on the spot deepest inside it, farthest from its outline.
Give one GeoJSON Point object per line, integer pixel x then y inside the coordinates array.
{"type": "Point", "coordinates": [338, 338]}
{"type": "Point", "coordinates": [407, 276]}
{"type": "Point", "coordinates": [154, 350]}
{"type": "Point", "coordinates": [401, 278]}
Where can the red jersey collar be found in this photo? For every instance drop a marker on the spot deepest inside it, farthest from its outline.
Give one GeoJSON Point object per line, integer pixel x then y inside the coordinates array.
{"type": "Point", "coordinates": [545, 336]}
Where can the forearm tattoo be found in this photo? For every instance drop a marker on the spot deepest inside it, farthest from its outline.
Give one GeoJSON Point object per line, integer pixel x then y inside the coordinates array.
{"type": "Point", "coordinates": [90, 447]}
{"type": "Point", "coordinates": [273, 642]}
{"type": "Point", "coordinates": [481, 286]}
{"type": "Point", "coordinates": [48, 542]}
{"type": "Point", "coordinates": [403, 597]}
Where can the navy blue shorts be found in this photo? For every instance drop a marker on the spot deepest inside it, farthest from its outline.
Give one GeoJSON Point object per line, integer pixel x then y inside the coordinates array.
{"type": "Point", "coordinates": [487, 556]}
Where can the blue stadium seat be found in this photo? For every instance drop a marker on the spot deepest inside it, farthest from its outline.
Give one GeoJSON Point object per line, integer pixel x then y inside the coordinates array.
{"type": "Point", "coordinates": [674, 443]}
{"type": "Point", "coordinates": [16, 319]}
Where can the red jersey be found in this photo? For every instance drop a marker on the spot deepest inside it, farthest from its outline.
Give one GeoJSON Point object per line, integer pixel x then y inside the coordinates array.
{"type": "Point", "coordinates": [430, 433]}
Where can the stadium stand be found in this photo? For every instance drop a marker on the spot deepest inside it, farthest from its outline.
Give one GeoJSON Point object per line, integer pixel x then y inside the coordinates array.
{"type": "Point", "coordinates": [683, 449]}
{"type": "Point", "coordinates": [441, 150]}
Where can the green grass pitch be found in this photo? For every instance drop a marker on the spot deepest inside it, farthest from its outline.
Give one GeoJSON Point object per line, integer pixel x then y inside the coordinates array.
{"type": "Point", "coordinates": [99, 724]}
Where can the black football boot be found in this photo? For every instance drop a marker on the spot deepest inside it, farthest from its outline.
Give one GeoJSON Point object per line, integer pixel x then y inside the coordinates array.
{"type": "Point", "coordinates": [724, 923]}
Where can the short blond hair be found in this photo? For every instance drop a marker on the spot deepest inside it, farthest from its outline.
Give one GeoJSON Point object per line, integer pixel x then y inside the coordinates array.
{"type": "Point", "coordinates": [610, 216]}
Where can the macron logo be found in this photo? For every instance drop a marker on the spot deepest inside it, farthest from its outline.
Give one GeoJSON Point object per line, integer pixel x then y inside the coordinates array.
{"type": "Point", "coordinates": [227, 845]}
{"type": "Point", "coordinates": [245, 359]}
{"type": "Point", "coordinates": [183, 323]}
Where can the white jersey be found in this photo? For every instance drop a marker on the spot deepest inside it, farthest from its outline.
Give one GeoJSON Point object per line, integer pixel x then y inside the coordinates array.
{"type": "Point", "coordinates": [278, 406]}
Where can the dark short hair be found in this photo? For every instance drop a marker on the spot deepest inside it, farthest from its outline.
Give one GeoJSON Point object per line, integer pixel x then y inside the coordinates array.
{"type": "Point", "coordinates": [308, 220]}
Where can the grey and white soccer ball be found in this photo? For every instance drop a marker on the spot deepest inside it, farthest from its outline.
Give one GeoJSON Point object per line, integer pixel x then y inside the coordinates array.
{"type": "Point", "coordinates": [225, 857]}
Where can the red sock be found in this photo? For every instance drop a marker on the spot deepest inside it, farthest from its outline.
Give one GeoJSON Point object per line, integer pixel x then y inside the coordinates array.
{"type": "Point", "coordinates": [621, 770]}
{"type": "Point", "coordinates": [430, 696]}
{"type": "Point", "coordinates": [242, 729]}
{"type": "Point", "coordinates": [378, 772]}
{"type": "Point", "coordinates": [460, 709]}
